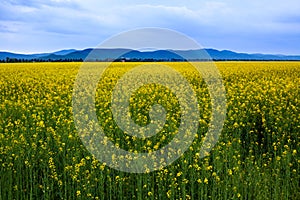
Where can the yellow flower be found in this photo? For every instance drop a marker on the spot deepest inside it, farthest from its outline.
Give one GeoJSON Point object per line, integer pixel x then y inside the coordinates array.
{"type": "Point", "coordinates": [179, 174]}
{"type": "Point", "coordinates": [205, 181]}
{"type": "Point", "coordinates": [294, 152]}
{"type": "Point", "coordinates": [169, 193]}
{"type": "Point", "coordinates": [278, 158]}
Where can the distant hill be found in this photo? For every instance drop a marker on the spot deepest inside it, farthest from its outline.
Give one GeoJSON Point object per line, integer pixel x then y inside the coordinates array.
{"type": "Point", "coordinates": [4, 55]}
{"type": "Point", "coordinates": [128, 54]}
{"type": "Point", "coordinates": [64, 52]}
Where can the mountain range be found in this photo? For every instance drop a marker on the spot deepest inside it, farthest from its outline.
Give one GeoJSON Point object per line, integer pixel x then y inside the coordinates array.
{"type": "Point", "coordinates": [129, 54]}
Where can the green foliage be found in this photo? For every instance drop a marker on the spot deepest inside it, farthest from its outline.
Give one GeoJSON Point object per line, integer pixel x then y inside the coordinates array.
{"type": "Point", "coordinates": [256, 157]}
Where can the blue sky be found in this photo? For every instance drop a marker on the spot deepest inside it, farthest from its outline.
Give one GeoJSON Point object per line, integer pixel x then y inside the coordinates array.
{"type": "Point", "coordinates": [263, 26]}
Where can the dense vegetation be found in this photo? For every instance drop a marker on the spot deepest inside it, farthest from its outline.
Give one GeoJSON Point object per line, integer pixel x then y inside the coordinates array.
{"type": "Point", "coordinates": [256, 157]}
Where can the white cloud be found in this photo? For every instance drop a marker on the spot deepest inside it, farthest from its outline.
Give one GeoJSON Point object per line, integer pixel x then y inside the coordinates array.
{"type": "Point", "coordinates": [239, 25]}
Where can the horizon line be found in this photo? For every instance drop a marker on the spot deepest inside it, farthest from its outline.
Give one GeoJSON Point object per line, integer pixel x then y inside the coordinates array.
{"type": "Point", "coordinates": [205, 48]}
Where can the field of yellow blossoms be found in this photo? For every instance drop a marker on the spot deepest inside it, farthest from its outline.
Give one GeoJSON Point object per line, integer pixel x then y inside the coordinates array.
{"type": "Point", "coordinates": [256, 157]}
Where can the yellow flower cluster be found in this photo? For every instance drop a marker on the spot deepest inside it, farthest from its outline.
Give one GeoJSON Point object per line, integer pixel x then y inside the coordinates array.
{"type": "Point", "coordinates": [256, 157]}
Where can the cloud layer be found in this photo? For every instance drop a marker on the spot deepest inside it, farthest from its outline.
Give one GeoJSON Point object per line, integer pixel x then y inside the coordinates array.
{"type": "Point", "coordinates": [248, 26]}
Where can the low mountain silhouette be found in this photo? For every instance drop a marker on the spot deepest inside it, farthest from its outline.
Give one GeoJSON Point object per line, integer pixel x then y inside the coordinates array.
{"type": "Point", "coordinates": [129, 54]}
{"type": "Point", "coordinates": [64, 52]}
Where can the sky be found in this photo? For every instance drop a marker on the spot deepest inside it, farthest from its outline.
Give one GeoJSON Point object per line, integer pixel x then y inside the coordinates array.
{"type": "Point", "coordinates": [251, 26]}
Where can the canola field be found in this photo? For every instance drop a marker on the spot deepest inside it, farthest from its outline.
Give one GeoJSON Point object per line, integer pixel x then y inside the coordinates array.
{"type": "Point", "coordinates": [256, 157]}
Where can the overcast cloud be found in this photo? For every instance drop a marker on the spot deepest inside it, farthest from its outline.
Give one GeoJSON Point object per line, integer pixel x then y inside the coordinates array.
{"type": "Point", "coordinates": [245, 26]}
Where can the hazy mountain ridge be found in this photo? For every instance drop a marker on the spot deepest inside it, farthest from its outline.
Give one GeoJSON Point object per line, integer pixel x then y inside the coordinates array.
{"type": "Point", "coordinates": [129, 54]}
